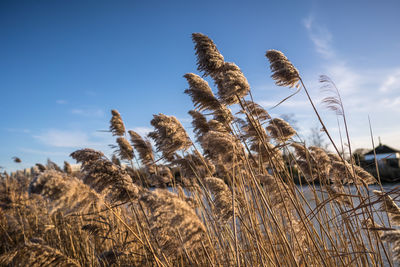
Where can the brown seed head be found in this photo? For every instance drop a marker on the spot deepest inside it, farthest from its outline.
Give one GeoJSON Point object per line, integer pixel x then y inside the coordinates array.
{"type": "Point", "coordinates": [169, 135]}
{"type": "Point", "coordinates": [280, 130]}
{"type": "Point", "coordinates": [117, 126]}
{"type": "Point", "coordinates": [231, 82]}
{"type": "Point", "coordinates": [283, 72]}
{"type": "Point", "coordinates": [143, 147]}
{"type": "Point", "coordinates": [125, 150]}
{"type": "Point", "coordinates": [209, 59]}
{"type": "Point", "coordinates": [200, 92]}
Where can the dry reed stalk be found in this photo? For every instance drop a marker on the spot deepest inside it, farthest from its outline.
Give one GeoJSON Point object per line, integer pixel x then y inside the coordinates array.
{"type": "Point", "coordinates": [117, 126]}
{"type": "Point", "coordinates": [169, 135]}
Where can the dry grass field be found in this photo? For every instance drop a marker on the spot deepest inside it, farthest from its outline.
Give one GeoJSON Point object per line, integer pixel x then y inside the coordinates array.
{"type": "Point", "coordinates": [227, 198]}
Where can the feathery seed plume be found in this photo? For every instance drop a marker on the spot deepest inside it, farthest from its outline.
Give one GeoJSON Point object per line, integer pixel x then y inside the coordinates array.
{"type": "Point", "coordinates": [169, 135]}
{"type": "Point", "coordinates": [66, 192]}
{"type": "Point", "coordinates": [283, 71]}
{"type": "Point", "coordinates": [199, 123]}
{"type": "Point", "coordinates": [231, 82]}
{"type": "Point", "coordinates": [143, 147]}
{"type": "Point", "coordinates": [173, 223]}
{"type": "Point", "coordinates": [209, 59]}
{"type": "Point", "coordinates": [67, 167]}
{"type": "Point", "coordinates": [201, 93]}
{"type": "Point", "coordinates": [255, 110]}
{"type": "Point", "coordinates": [393, 237]}
{"type": "Point", "coordinates": [220, 146]}
{"type": "Point", "coordinates": [101, 174]}
{"type": "Point", "coordinates": [17, 160]}
{"type": "Point", "coordinates": [280, 130]}
{"type": "Point", "coordinates": [222, 198]}
{"type": "Point", "coordinates": [194, 165]}
{"type": "Point", "coordinates": [389, 206]}
{"type": "Point", "coordinates": [117, 126]}
{"type": "Point", "coordinates": [125, 149]}
{"type": "Point", "coordinates": [36, 254]}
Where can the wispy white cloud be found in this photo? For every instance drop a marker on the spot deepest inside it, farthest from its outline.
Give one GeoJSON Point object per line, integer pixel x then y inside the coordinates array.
{"type": "Point", "coordinates": [391, 82]}
{"type": "Point", "coordinates": [41, 152]}
{"type": "Point", "coordinates": [16, 130]}
{"type": "Point", "coordinates": [290, 103]}
{"type": "Point", "coordinates": [364, 90]}
{"type": "Point", "coordinates": [88, 112]}
{"type": "Point", "coordinates": [61, 101]}
{"type": "Point", "coordinates": [64, 138]}
{"type": "Point", "coordinates": [320, 37]}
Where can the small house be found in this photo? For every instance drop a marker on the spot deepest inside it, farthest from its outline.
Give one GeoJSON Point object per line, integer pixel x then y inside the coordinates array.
{"type": "Point", "coordinates": [385, 155]}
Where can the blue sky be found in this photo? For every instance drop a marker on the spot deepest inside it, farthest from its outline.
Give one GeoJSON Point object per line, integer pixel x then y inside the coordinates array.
{"type": "Point", "coordinates": [65, 64]}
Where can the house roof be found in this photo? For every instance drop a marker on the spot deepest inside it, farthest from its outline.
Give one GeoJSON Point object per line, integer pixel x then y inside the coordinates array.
{"type": "Point", "coordinates": [382, 149]}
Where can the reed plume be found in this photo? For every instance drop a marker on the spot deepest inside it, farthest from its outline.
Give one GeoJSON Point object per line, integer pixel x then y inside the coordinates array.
{"type": "Point", "coordinates": [67, 168]}
{"type": "Point", "coordinates": [201, 93]}
{"type": "Point", "coordinates": [169, 135]}
{"type": "Point", "coordinates": [160, 176]}
{"type": "Point", "coordinates": [333, 102]}
{"type": "Point", "coordinates": [256, 111]}
{"type": "Point", "coordinates": [65, 192]}
{"type": "Point", "coordinates": [223, 115]}
{"type": "Point", "coordinates": [280, 130]}
{"type": "Point", "coordinates": [393, 237]}
{"type": "Point", "coordinates": [222, 198]}
{"type": "Point", "coordinates": [389, 206]}
{"type": "Point", "coordinates": [194, 165]}
{"type": "Point", "coordinates": [283, 71]}
{"type": "Point", "coordinates": [199, 123]}
{"type": "Point", "coordinates": [41, 167]}
{"type": "Point", "coordinates": [125, 150]}
{"type": "Point", "coordinates": [17, 160]}
{"type": "Point", "coordinates": [115, 160]}
{"type": "Point", "coordinates": [209, 59]}
{"type": "Point", "coordinates": [117, 126]}
{"type": "Point", "coordinates": [100, 174]}
{"type": "Point", "coordinates": [173, 223]}
{"type": "Point", "coordinates": [35, 255]}
{"type": "Point", "coordinates": [220, 146]}
{"type": "Point", "coordinates": [231, 82]}
{"type": "Point", "coordinates": [143, 147]}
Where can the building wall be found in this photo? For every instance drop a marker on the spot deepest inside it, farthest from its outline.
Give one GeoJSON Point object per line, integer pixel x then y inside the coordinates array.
{"type": "Point", "coordinates": [383, 156]}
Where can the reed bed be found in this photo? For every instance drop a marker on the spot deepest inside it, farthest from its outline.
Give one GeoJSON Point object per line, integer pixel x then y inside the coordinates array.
{"type": "Point", "coordinates": [227, 198]}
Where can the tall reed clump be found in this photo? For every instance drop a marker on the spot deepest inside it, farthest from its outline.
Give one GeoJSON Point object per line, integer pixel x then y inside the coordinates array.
{"type": "Point", "coordinates": [227, 198]}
